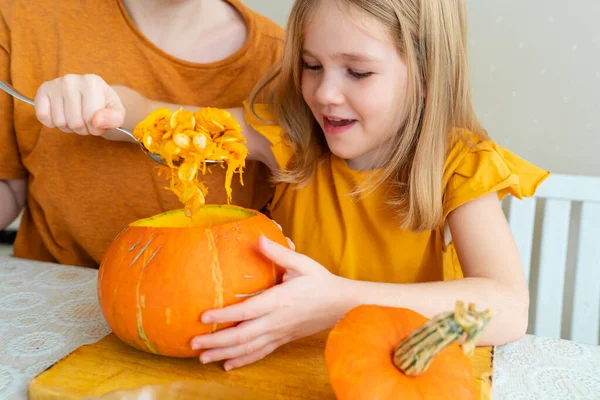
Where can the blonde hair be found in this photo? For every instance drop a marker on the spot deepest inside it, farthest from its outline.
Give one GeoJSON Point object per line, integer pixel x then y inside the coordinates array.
{"type": "Point", "coordinates": [431, 36]}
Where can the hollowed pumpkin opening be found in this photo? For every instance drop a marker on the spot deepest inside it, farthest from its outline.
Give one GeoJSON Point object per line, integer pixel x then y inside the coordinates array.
{"type": "Point", "coordinates": [206, 217]}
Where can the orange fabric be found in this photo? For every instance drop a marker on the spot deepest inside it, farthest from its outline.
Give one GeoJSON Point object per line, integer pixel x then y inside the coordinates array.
{"type": "Point", "coordinates": [82, 191]}
{"type": "Point", "coordinates": [360, 238]}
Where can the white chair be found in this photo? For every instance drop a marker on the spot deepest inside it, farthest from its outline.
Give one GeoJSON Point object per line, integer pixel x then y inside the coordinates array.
{"type": "Point", "coordinates": [555, 245]}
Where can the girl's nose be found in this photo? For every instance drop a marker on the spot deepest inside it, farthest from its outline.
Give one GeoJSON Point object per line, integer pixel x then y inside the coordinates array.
{"type": "Point", "coordinates": [329, 92]}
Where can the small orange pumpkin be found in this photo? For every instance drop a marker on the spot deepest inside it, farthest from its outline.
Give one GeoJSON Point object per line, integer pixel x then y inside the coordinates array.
{"type": "Point", "coordinates": [161, 273]}
{"type": "Point", "coordinates": [386, 353]}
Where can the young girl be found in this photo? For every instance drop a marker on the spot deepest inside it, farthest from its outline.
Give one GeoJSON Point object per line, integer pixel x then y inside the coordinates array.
{"type": "Point", "coordinates": [387, 184]}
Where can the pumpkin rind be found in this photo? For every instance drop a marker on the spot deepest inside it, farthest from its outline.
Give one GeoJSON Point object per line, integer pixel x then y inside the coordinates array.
{"type": "Point", "coordinates": [155, 282]}
{"type": "Point", "coordinates": [359, 359]}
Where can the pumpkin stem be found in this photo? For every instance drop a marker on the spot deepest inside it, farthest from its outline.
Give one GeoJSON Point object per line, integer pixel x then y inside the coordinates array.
{"type": "Point", "coordinates": [414, 354]}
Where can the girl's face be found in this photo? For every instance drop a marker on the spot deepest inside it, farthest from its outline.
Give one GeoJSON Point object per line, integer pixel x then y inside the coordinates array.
{"type": "Point", "coordinates": [354, 81]}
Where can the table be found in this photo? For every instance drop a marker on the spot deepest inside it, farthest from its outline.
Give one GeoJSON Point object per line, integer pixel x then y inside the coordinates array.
{"type": "Point", "coordinates": [48, 310]}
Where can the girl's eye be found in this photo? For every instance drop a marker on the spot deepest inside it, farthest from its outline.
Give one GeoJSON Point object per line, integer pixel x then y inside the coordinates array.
{"type": "Point", "coordinates": [312, 67]}
{"type": "Point", "coordinates": [359, 75]}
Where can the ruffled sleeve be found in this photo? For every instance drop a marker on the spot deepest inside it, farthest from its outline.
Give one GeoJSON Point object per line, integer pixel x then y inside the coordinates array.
{"type": "Point", "coordinates": [282, 151]}
{"type": "Point", "coordinates": [477, 167]}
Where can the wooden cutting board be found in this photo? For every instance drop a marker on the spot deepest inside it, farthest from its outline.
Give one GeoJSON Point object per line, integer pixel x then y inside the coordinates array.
{"type": "Point", "coordinates": [294, 371]}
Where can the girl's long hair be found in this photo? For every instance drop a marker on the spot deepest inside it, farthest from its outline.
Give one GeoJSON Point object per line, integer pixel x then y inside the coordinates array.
{"type": "Point", "coordinates": [431, 37]}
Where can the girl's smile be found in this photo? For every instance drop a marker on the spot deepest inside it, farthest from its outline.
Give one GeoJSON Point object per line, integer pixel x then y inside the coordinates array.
{"type": "Point", "coordinates": [335, 125]}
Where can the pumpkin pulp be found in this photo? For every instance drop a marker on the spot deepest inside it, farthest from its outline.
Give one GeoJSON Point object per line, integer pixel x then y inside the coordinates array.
{"type": "Point", "coordinates": [205, 217]}
{"type": "Point", "coordinates": [185, 140]}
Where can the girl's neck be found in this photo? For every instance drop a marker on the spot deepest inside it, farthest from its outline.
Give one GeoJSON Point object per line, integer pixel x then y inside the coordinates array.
{"type": "Point", "coordinates": [365, 162]}
{"type": "Point", "coordinates": [194, 30]}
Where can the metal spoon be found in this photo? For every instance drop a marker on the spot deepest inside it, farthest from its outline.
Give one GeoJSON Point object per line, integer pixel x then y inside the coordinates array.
{"type": "Point", "coordinates": [8, 88]}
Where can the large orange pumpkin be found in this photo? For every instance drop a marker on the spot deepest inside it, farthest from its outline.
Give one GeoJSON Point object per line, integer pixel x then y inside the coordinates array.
{"type": "Point", "coordinates": [387, 353]}
{"type": "Point", "coordinates": [160, 274]}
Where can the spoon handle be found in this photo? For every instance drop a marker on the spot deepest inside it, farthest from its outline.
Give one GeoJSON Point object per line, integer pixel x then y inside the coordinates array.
{"type": "Point", "coordinates": [13, 92]}
{"type": "Point", "coordinates": [125, 131]}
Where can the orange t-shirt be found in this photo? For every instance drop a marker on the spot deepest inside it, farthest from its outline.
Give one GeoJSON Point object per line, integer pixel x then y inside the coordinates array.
{"type": "Point", "coordinates": [82, 191]}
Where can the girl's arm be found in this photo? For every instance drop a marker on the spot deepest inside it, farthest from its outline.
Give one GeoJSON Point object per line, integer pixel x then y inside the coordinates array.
{"type": "Point", "coordinates": [494, 277]}
{"type": "Point", "coordinates": [312, 299]}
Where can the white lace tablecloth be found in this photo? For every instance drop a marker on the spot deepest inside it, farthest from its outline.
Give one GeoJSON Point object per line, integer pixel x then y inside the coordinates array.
{"type": "Point", "coordinates": [48, 310]}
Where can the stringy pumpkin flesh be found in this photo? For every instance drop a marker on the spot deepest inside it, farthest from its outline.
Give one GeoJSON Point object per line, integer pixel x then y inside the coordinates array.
{"type": "Point", "coordinates": [185, 140]}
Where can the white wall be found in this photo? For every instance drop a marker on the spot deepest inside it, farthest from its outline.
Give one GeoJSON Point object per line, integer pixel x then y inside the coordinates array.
{"type": "Point", "coordinates": [535, 68]}
{"type": "Point", "coordinates": [277, 10]}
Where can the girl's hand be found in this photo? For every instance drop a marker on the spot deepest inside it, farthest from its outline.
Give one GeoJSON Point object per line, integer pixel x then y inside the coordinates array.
{"type": "Point", "coordinates": [83, 104]}
{"type": "Point", "coordinates": [305, 303]}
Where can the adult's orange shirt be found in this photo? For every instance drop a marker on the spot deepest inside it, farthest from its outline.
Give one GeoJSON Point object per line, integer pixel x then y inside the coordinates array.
{"type": "Point", "coordinates": [82, 191]}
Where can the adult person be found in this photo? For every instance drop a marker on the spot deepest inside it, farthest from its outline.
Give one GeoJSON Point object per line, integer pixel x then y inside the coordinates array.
{"type": "Point", "coordinates": [79, 190]}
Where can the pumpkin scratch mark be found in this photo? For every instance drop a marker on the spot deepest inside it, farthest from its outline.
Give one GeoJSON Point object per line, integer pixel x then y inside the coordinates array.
{"type": "Point", "coordinates": [152, 256]}
{"type": "Point", "coordinates": [142, 250]}
{"type": "Point", "coordinates": [141, 302]}
{"type": "Point", "coordinates": [135, 245]}
{"type": "Point", "coordinates": [249, 276]}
